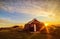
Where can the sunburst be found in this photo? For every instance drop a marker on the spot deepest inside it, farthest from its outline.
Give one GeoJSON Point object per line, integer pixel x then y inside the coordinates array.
{"type": "Point", "coordinates": [47, 27]}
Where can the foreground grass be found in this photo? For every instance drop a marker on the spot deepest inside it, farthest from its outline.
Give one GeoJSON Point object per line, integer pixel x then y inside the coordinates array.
{"type": "Point", "coordinates": [21, 35]}
{"type": "Point", "coordinates": [15, 34]}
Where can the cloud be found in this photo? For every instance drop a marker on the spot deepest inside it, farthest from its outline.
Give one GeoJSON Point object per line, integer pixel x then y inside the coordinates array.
{"type": "Point", "coordinates": [28, 7]}
{"type": "Point", "coordinates": [5, 23]}
{"type": "Point", "coordinates": [37, 8]}
{"type": "Point", "coordinates": [8, 23]}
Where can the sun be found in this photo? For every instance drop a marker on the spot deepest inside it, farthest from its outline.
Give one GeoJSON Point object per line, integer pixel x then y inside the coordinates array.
{"type": "Point", "coordinates": [46, 24]}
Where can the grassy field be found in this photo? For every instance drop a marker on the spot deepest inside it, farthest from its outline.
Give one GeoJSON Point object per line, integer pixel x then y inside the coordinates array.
{"type": "Point", "coordinates": [16, 34]}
